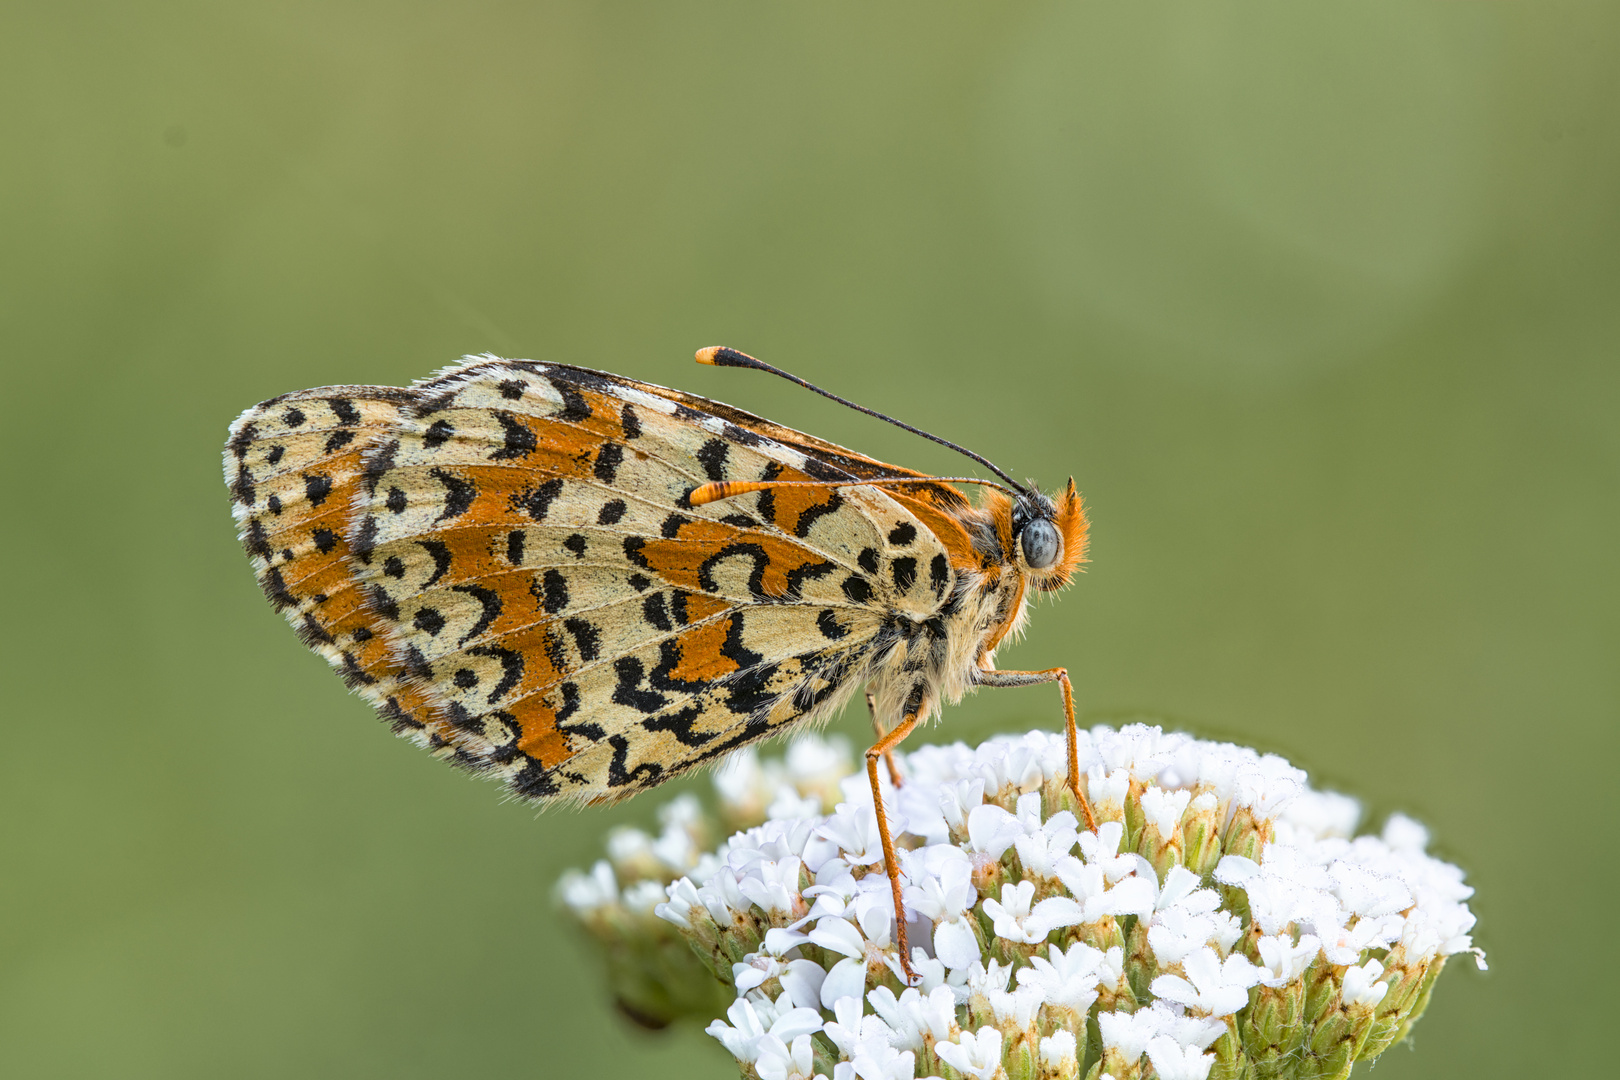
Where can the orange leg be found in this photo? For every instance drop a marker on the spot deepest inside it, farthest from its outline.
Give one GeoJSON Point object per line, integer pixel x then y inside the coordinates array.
{"type": "Point", "coordinates": [1061, 677]}
{"type": "Point", "coordinates": [891, 863]}
{"type": "Point", "coordinates": [877, 729]}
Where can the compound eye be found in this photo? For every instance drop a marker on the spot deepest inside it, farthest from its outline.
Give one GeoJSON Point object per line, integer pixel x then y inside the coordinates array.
{"type": "Point", "coordinates": [1040, 543]}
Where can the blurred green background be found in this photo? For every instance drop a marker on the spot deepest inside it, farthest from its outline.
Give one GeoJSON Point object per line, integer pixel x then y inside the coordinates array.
{"type": "Point", "coordinates": [1317, 302]}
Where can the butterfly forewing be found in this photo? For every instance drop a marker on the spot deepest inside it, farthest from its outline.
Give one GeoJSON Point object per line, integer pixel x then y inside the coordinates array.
{"type": "Point", "coordinates": [507, 552]}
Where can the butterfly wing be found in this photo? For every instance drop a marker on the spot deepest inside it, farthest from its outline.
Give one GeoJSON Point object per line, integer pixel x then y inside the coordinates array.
{"type": "Point", "coordinates": [937, 505]}
{"type": "Point", "coordinates": [293, 464]}
{"type": "Point", "coordinates": [550, 606]}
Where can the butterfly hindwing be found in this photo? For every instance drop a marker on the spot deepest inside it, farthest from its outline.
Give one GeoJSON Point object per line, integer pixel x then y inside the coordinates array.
{"type": "Point", "coordinates": [294, 465]}
{"type": "Point", "coordinates": [520, 539]}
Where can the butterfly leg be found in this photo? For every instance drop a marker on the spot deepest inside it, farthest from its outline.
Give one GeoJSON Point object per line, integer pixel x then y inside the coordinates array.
{"type": "Point", "coordinates": [891, 863]}
{"type": "Point", "coordinates": [1061, 677]}
{"type": "Point", "coordinates": [877, 730]}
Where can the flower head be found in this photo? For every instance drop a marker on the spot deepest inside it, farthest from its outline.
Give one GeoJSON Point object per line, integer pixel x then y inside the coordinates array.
{"type": "Point", "coordinates": [1221, 908]}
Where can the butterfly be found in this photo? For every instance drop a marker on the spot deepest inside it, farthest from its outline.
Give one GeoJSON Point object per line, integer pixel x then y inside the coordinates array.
{"type": "Point", "coordinates": [585, 585]}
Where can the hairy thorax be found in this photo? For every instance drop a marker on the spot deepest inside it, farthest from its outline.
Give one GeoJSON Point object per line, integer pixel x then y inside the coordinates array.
{"type": "Point", "coordinates": [919, 665]}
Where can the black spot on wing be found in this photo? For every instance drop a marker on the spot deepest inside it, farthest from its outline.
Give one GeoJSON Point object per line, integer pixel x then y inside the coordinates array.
{"type": "Point", "coordinates": [575, 407]}
{"type": "Point", "coordinates": [868, 559]}
{"type": "Point", "coordinates": [519, 439]}
{"type": "Point", "coordinates": [511, 389]}
{"type": "Point", "coordinates": [680, 725]}
{"type": "Point", "coordinates": [753, 552]}
{"type": "Point", "coordinates": [629, 691]}
{"type": "Point", "coordinates": [551, 589]}
{"type": "Point", "coordinates": [536, 501]}
{"type": "Point", "coordinates": [712, 456]}
{"type": "Point", "coordinates": [858, 589]}
{"type": "Point", "coordinates": [646, 774]}
{"type": "Point", "coordinates": [275, 454]}
{"type": "Point", "coordinates": [511, 669]}
{"type": "Point", "coordinates": [337, 441]}
{"type": "Point", "coordinates": [576, 544]}
{"type": "Point", "coordinates": [798, 576]}
{"type": "Point", "coordinates": [632, 551]}
{"type": "Point", "coordinates": [733, 648]}
{"type": "Point", "coordinates": [490, 600]}
{"type": "Point", "coordinates": [672, 526]}
{"type": "Point", "coordinates": [365, 540]}
{"type": "Point", "coordinates": [396, 501]}
{"type": "Point", "coordinates": [393, 567]}
{"type": "Point", "coordinates": [325, 540]}
{"type": "Point", "coordinates": [662, 677]}
{"type": "Point", "coordinates": [586, 638]}
{"type": "Point", "coordinates": [397, 718]}
{"type": "Point", "coordinates": [570, 705]}
{"type": "Point", "coordinates": [939, 574]}
{"type": "Point", "coordinates": [347, 414]}
{"type": "Point", "coordinates": [317, 487]}
{"type": "Point", "coordinates": [514, 546]}
{"type": "Point", "coordinates": [555, 652]}
{"type": "Point", "coordinates": [638, 582]}
{"type": "Point", "coordinates": [276, 591]}
{"type": "Point", "coordinates": [903, 534]}
{"type": "Point", "coordinates": [607, 462]}
{"type": "Point", "coordinates": [829, 627]}
{"type": "Point", "coordinates": [429, 620]}
{"type": "Point", "coordinates": [379, 601]}
{"type": "Point", "coordinates": [238, 446]}
{"type": "Point", "coordinates": [811, 514]}
{"type": "Point", "coordinates": [437, 434]}
{"type": "Point", "coordinates": [654, 610]}
{"type": "Point", "coordinates": [533, 782]}
{"type": "Point", "coordinates": [904, 572]}
{"type": "Point", "coordinates": [440, 551]}
{"type": "Point", "coordinates": [630, 422]}
{"type": "Point", "coordinates": [458, 494]}
{"type": "Point", "coordinates": [767, 498]}
{"type": "Point", "coordinates": [293, 417]}
{"type": "Point", "coordinates": [379, 461]}
{"type": "Point", "coordinates": [256, 542]}
{"type": "Point", "coordinates": [611, 513]}
{"type": "Point", "coordinates": [242, 489]}
{"type": "Point", "coordinates": [313, 633]}
{"type": "Point", "coordinates": [750, 689]}
{"type": "Point", "coordinates": [352, 673]}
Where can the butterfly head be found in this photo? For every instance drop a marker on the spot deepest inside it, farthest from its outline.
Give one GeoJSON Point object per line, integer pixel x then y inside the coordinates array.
{"type": "Point", "coordinates": [1044, 537]}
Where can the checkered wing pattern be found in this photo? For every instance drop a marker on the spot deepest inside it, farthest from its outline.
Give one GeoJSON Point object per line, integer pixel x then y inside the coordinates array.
{"type": "Point", "coordinates": [505, 561]}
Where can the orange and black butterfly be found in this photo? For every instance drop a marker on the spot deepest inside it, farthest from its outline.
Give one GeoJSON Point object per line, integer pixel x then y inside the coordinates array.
{"type": "Point", "coordinates": [585, 585]}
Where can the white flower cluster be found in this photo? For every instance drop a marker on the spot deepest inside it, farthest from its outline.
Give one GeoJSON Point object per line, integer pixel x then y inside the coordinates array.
{"type": "Point", "coordinates": [656, 977]}
{"type": "Point", "coordinates": [1220, 921]}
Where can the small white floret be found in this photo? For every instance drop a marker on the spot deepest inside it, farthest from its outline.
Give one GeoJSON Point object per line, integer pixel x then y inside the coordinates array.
{"type": "Point", "coordinates": [973, 1054]}
{"type": "Point", "coordinates": [1212, 987]}
{"type": "Point", "coordinates": [1172, 1061]}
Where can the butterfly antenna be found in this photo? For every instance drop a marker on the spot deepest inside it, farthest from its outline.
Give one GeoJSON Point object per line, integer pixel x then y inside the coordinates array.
{"type": "Point", "coordinates": [720, 356]}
